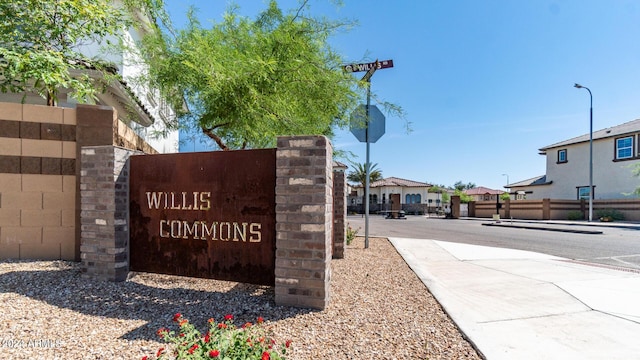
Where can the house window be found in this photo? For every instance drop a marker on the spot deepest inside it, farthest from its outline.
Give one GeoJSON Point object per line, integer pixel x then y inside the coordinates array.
{"type": "Point", "coordinates": [418, 199]}
{"type": "Point", "coordinates": [384, 198]}
{"type": "Point", "coordinates": [624, 147]}
{"type": "Point", "coordinates": [562, 156]}
{"type": "Point", "coordinates": [430, 201]}
{"type": "Point", "coordinates": [487, 197]}
{"type": "Point", "coordinates": [583, 193]}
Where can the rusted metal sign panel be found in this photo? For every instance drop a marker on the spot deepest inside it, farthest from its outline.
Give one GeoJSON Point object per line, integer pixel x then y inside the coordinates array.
{"type": "Point", "coordinates": [207, 214]}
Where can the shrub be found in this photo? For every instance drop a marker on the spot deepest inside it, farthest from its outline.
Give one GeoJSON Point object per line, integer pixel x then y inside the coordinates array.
{"type": "Point", "coordinates": [223, 341]}
{"type": "Point", "coordinates": [609, 215]}
{"type": "Point", "coordinates": [575, 215]}
{"type": "Point", "coordinates": [351, 234]}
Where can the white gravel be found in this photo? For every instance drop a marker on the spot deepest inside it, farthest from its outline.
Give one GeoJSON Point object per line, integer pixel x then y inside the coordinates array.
{"type": "Point", "coordinates": [379, 309]}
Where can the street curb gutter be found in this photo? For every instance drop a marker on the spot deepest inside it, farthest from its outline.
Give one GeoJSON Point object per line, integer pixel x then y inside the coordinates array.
{"type": "Point", "coordinates": [545, 228]}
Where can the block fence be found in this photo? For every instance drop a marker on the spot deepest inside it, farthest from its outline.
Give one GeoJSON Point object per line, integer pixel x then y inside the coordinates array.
{"type": "Point", "coordinates": [39, 174]}
{"type": "Point", "coordinates": [553, 209]}
{"type": "Point", "coordinates": [308, 230]}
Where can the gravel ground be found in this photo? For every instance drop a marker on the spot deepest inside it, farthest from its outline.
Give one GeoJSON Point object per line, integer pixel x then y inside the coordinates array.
{"type": "Point", "coordinates": [379, 309]}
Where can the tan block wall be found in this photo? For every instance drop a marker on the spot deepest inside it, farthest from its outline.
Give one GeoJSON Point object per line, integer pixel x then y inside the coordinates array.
{"type": "Point", "coordinates": [35, 206]}
{"type": "Point", "coordinates": [39, 190]}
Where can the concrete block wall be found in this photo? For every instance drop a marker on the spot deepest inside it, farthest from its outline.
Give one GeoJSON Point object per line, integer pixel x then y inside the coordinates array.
{"type": "Point", "coordinates": [304, 215]}
{"type": "Point", "coordinates": [105, 212]}
{"type": "Point", "coordinates": [37, 182]}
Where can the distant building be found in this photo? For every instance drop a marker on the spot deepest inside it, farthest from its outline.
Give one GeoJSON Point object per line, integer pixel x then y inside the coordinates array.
{"type": "Point", "coordinates": [414, 196]}
{"type": "Point", "coordinates": [616, 151]}
{"type": "Point", "coordinates": [481, 193]}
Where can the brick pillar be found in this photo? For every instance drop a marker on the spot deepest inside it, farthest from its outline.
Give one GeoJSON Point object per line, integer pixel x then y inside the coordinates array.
{"type": "Point", "coordinates": [104, 213]}
{"type": "Point", "coordinates": [455, 206]}
{"type": "Point", "coordinates": [472, 209]}
{"type": "Point", "coordinates": [303, 221]}
{"type": "Point", "coordinates": [339, 212]}
{"type": "Point", "coordinates": [546, 209]}
{"type": "Point", "coordinates": [507, 208]}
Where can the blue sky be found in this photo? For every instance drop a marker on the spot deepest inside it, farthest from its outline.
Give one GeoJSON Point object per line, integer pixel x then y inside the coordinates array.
{"type": "Point", "coordinates": [485, 83]}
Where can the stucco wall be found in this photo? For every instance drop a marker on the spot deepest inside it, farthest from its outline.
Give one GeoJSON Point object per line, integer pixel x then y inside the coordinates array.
{"type": "Point", "coordinates": [612, 179]}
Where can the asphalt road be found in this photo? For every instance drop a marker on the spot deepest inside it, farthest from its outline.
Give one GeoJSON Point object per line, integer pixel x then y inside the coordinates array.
{"type": "Point", "coordinates": [614, 247]}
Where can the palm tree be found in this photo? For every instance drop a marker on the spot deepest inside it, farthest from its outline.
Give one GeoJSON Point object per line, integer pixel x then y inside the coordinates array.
{"type": "Point", "coordinates": [359, 174]}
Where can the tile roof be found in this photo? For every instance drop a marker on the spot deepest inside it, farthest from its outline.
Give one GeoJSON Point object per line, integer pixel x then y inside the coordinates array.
{"type": "Point", "coordinates": [622, 129]}
{"type": "Point", "coordinates": [394, 181]}
{"type": "Point", "coordinates": [481, 190]}
{"type": "Point", "coordinates": [538, 180]}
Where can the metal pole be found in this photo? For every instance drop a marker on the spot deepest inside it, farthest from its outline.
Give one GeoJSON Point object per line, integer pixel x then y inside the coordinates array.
{"type": "Point", "coordinates": [590, 156]}
{"type": "Point", "coordinates": [590, 149]}
{"type": "Point", "coordinates": [367, 165]}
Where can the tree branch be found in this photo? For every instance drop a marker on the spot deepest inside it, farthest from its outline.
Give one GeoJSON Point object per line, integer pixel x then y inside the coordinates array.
{"type": "Point", "coordinates": [212, 135]}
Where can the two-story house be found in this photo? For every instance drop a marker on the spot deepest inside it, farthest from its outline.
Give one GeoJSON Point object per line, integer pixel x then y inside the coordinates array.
{"type": "Point", "coordinates": [615, 153]}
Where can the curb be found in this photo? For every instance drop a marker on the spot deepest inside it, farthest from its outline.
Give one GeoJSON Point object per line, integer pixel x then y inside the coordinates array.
{"type": "Point", "coordinates": [594, 232]}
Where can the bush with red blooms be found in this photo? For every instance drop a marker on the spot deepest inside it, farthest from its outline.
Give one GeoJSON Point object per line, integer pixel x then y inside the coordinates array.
{"type": "Point", "coordinates": [222, 341]}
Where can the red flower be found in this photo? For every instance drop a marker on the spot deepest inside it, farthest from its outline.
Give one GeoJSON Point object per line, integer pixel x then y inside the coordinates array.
{"type": "Point", "coordinates": [183, 322]}
{"type": "Point", "coordinates": [260, 320]}
{"type": "Point", "coordinates": [160, 351]}
{"type": "Point", "coordinates": [176, 317]}
{"type": "Point", "coordinates": [266, 356]}
{"type": "Point", "coordinates": [193, 348]}
{"type": "Point", "coordinates": [207, 337]}
{"type": "Point", "coordinates": [214, 353]}
{"type": "Point", "coordinates": [161, 332]}
{"type": "Point", "coordinates": [228, 317]}
{"type": "Point", "coordinates": [211, 321]}
{"type": "Point", "coordinates": [288, 343]}
{"type": "Point", "coordinates": [222, 326]}
{"type": "Point", "coordinates": [181, 334]}
{"type": "Point", "coordinates": [144, 358]}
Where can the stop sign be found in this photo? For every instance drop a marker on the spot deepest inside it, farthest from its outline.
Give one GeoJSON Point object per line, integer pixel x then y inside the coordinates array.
{"type": "Point", "coordinates": [376, 123]}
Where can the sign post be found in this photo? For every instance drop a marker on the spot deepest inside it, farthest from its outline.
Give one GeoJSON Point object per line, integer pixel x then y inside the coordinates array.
{"type": "Point", "coordinates": [370, 68]}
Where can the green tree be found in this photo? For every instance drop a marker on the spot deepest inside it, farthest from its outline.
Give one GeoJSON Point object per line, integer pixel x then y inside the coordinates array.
{"type": "Point", "coordinates": [459, 185]}
{"type": "Point", "coordinates": [445, 197]}
{"type": "Point", "coordinates": [40, 42]}
{"type": "Point", "coordinates": [464, 197]}
{"type": "Point", "coordinates": [248, 81]}
{"type": "Point", "coordinates": [505, 196]}
{"type": "Point", "coordinates": [359, 174]}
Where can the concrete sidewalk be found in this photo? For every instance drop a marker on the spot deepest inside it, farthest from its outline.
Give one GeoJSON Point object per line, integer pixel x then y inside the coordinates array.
{"type": "Point", "coordinates": [514, 304]}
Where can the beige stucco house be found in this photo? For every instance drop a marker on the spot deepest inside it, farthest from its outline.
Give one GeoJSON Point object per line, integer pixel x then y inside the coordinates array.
{"type": "Point", "coordinates": [482, 193]}
{"type": "Point", "coordinates": [615, 153]}
{"type": "Point", "coordinates": [414, 195]}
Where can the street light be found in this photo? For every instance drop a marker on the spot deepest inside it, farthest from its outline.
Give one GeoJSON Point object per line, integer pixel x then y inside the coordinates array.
{"type": "Point", "coordinates": [590, 150]}
{"type": "Point", "coordinates": [507, 175]}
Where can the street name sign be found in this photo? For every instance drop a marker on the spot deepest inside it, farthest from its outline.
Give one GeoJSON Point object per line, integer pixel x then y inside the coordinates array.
{"type": "Point", "coordinates": [367, 66]}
